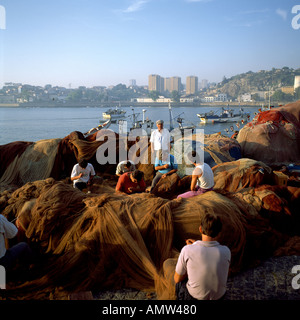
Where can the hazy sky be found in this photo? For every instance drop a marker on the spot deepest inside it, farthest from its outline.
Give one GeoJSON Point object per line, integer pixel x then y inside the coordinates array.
{"type": "Point", "coordinates": [106, 42]}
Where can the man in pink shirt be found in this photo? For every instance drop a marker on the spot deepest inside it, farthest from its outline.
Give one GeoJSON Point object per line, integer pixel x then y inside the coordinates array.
{"type": "Point", "coordinates": [202, 267]}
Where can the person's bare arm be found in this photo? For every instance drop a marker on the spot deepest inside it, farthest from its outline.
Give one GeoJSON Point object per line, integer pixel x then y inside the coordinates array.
{"type": "Point", "coordinates": [77, 177]}
{"type": "Point", "coordinates": [197, 173]}
{"type": "Point", "coordinates": [178, 277]}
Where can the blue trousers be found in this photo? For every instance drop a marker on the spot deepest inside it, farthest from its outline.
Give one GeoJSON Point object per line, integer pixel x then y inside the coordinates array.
{"type": "Point", "coordinates": [20, 251]}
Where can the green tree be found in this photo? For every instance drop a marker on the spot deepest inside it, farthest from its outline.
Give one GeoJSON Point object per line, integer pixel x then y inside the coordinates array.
{"type": "Point", "coordinates": [154, 95]}
{"type": "Point", "coordinates": [175, 95]}
{"type": "Point", "coordinates": [255, 97]}
{"type": "Point", "coordinates": [75, 95]}
{"type": "Point", "coordinates": [297, 93]}
{"type": "Point", "coordinates": [281, 96]}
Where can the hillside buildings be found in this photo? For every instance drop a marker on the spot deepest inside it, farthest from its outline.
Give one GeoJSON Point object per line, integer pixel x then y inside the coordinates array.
{"type": "Point", "coordinates": [168, 89]}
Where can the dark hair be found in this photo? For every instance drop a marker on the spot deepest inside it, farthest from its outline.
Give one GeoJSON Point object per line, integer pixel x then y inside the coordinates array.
{"type": "Point", "coordinates": [128, 164]}
{"type": "Point", "coordinates": [137, 174]}
{"type": "Point", "coordinates": [83, 163]}
{"type": "Point", "coordinates": [194, 157]}
{"type": "Point", "coordinates": [211, 225]}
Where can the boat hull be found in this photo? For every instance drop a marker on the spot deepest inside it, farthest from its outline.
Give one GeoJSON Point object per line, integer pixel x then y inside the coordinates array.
{"type": "Point", "coordinates": [209, 119]}
{"type": "Point", "coordinates": [113, 116]}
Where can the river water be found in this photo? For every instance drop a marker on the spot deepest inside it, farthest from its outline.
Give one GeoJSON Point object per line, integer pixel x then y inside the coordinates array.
{"type": "Point", "coordinates": [33, 124]}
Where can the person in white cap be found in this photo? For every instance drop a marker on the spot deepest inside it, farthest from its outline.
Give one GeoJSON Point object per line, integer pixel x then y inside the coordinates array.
{"type": "Point", "coordinates": [160, 138]}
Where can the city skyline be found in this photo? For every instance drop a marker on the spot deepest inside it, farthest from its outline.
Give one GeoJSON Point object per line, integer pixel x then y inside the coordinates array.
{"type": "Point", "coordinates": [102, 43]}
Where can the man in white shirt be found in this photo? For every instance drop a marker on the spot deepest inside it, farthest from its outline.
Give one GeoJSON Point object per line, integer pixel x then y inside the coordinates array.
{"type": "Point", "coordinates": [202, 268]}
{"type": "Point", "coordinates": [82, 174]}
{"type": "Point", "coordinates": [160, 138]}
{"type": "Point", "coordinates": [20, 251]}
{"type": "Point", "coordinates": [202, 178]}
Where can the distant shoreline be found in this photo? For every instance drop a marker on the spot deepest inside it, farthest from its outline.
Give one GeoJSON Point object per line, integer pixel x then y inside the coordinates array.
{"type": "Point", "coordinates": [132, 104]}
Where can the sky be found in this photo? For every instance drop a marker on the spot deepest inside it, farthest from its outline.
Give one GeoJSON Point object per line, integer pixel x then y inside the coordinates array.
{"type": "Point", "coordinates": [89, 43]}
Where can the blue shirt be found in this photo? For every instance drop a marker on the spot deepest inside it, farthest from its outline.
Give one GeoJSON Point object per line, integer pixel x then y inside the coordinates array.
{"type": "Point", "coordinates": [170, 161]}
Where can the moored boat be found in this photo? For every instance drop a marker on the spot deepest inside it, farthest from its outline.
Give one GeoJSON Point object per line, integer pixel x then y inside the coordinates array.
{"type": "Point", "coordinates": [226, 115]}
{"type": "Point", "coordinates": [145, 124]}
{"type": "Point", "coordinates": [102, 125]}
{"type": "Point", "coordinates": [114, 114]}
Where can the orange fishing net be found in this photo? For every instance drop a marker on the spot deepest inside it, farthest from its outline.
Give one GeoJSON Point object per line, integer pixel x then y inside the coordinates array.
{"type": "Point", "coordinates": [273, 136]}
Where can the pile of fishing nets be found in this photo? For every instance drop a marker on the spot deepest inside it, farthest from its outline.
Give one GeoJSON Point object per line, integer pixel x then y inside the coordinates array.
{"type": "Point", "coordinates": [23, 162]}
{"type": "Point", "coordinates": [110, 240]}
{"type": "Point", "coordinates": [273, 136]}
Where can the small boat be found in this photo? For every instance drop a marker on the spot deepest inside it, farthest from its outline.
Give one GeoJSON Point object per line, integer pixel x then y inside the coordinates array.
{"type": "Point", "coordinates": [180, 121]}
{"type": "Point", "coordinates": [227, 115]}
{"type": "Point", "coordinates": [145, 124]}
{"type": "Point", "coordinates": [114, 114]}
{"type": "Point", "coordinates": [105, 125]}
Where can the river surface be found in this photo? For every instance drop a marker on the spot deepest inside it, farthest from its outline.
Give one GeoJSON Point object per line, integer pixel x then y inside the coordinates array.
{"type": "Point", "coordinates": [33, 124]}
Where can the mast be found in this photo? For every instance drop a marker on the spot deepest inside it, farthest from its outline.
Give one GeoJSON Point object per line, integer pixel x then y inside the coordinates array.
{"type": "Point", "coordinates": [171, 117]}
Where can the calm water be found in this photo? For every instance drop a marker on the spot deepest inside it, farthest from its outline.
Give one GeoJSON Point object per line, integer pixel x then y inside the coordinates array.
{"type": "Point", "coordinates": [33, 124]}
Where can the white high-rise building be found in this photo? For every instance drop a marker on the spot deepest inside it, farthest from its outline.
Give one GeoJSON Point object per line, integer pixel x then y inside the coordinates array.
{"type": "Point", "coordinates": [297, 82]}
{"type": "Point", "coordinates": [132, 83]}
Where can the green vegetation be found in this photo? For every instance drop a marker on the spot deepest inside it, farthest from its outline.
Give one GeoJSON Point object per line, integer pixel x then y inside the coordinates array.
{"type": "Point", "coordinates": [154, 95]}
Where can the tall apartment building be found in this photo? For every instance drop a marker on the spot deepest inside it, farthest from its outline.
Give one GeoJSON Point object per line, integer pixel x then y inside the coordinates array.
{"type": "Point", "coordinates": [204, 84]}
{"type": "Point", "coordinates": [168, 86]}
{"type": "Point", "coordinates": [155, 83]}
{"type": "Point", "coordinates": [176, 84]}
{"type": "Point", "coordinates": [297, 82]}
{"type": "Point", "coordinates": [132, 83]}
{"type": "Point", "coordinates": [173, 84]}
{"type": "Point", "coordinates": [191, 85]}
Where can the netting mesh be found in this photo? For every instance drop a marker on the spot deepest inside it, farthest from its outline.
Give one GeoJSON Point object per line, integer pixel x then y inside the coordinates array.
{"type": "Point", "coordinates": [110, 240]}
{"type": "Point", "coordinates": [273, 136]}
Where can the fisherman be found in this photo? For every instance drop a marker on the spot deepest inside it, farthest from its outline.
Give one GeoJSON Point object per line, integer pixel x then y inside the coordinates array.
{"type": "Point", "coordinates": [202, 177]}
{"type": "Point", "coordinates": [165, 165]}
{"type": "Point", "coordinates": [19, 252]}
{"type": "Point", "coordinates": [202, 267]}
{"type": "Point", "coordinates": [160, 138]}
{"type": "Point", "coordinates": [125, 166]}
{"type": "Point", "coordinates": [82, 174]}
{"type": "Point", "coordinates": [131, 182]}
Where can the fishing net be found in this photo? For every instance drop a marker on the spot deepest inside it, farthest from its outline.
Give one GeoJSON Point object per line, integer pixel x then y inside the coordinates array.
{"type": "Point", "coordinates": [113, 240]}
{"type": "Point", "coordinates": [213, 149]}
{"type": "Point", "coordinates": [35, 162]}
{"type": "Point", "coordinates": [110, 240]}
{"type": "Point", "coordinates": [240, 174]}
{"type": "Point", "coordinates": [273, 136]}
